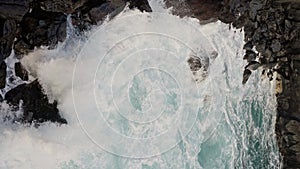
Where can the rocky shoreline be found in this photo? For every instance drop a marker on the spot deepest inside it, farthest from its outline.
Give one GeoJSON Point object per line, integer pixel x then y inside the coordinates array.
{"type": "Point", "coordinates": [272, 30]}
{"type": "Point", "coordinates": [29, 24]}
{"type": "Point", "coordinates": [272, 43]}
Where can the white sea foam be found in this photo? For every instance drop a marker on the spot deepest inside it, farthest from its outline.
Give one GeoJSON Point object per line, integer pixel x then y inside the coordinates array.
{"type": "Point", "coordinates": [219, 136]}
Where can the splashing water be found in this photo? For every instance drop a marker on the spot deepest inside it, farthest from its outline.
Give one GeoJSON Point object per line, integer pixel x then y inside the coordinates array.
{"type": "Point", "coordinates": [131, 101]}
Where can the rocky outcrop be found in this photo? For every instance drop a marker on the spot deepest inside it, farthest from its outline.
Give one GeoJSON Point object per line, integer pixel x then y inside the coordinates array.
{"type": "Point", "coordinates": [204, 10]}
{"type": "Point", "coordinates": [272, 42]}
{"type": "Point", "coordinates": [288, 122]}
{"type": "Point", "coordinates": [8, 30]}
{"type": "Point", "coordinates": [13, 9]}
{"type": "Point", "coordinates": [272, 30]}
{"type": "Point", "coordinates": [2, 75]}
{"type": "Point", "coordinates": [29, 24]}
{"type": "Point", "coordinates": [34, 103]}
{"type": "Point", "coordinates": [40, 28]}
{"type": "Point", "coordinates": [21, 72]}
{"type": "Point", "coordinates": [61, 6]}
{"type": "Point", "coordinates": [94, 12]}
{"type": "Point", "coordinates": [142, 5]}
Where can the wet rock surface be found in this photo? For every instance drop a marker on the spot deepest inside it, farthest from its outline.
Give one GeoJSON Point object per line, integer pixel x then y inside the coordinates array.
{"type": "Point", "coordinates": [272, 43]}
{"type": "Point", "coordinates": [40, 28]}
{"type": "Point", "coordinates": [13, 9]}
{"type": "Point", "coordinates": [272, 39]}
{"type": "Point", "coordinates": [2, 75]}
{"type": "Point", "coordinates": [8, 30]}
{"type": "Point", "coordinates": [34, 103]}
{"type": "Point", "coordinates": [21, 72]}
{"type": "Point", "coordinates": [29, 24]}
{"type": "Point", "coordinates": [204, 10]}
{"type": "Point", "coordinates": [142, 5]}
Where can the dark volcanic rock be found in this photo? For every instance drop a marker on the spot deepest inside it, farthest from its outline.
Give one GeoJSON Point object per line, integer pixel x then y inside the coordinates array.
{"type": "Point", "coordinates": [142, 5]}
{"type": "Point", "coordinates": [273, 27]}
{"type": "Point", "coordinates": [21, 72]}
{"type": "Point", "coordinates": [35, 103]}
{"type": "Point", "coordinates": [13, 9]}
{"type": "Point", "coordinates": [8, 30]}
{"type": "Point", "coordinates": [246, 76]}
{"type": "Point", "coordinates": [204, 10]}
{"type": "Point", "coordinates": [2, 75]}
{"type": "Point", "coordinates": [95, 11]}
{"type": "Point", "coordinates": [97, 14]}
{"type": "Point", "coordinates": [253, 65]}
{"type": "Point", "coordinates": [64, 6]}
{"type": "Point", "coordinates": [194, 63]}
{"type": "Point", "coordinates": [40, 28]}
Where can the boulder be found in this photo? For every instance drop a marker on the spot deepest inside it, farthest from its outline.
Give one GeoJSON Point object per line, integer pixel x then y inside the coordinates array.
{"type": "Point", "coordinates": [142, 5]}
{"type": "Point", "coordinates": [204, 10]}
{"type": "Point", "coordinates": [246, 76]}
{"type": "Point", "coordinates": [40, 28]}
{"type": "Point", "coordinates": [21, 72]}
{"type": "Point", "coordinates": [13, 9]}
{"type": "Point", "coordinates": [34, 103]}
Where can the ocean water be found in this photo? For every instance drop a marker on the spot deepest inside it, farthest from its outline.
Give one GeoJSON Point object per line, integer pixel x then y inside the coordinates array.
{"type": "Point", "coordinates": [131, 100]}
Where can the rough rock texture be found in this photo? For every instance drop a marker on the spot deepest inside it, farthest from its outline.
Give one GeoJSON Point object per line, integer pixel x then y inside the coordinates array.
{"type": "Point", "coordinates": [273, 27]}
{"type": "Point", "coordinates": [2, 75]}
{"type": "Point", "coordinates": [20, 71]}
{"type": "Point", "coordinates": [7, 35]}
{"type": "Point", "coordinates": [40, 28]}
{"type": "Point", "coordinates": [29, 24]}
{"type": "Point", "coordinates": [142, 5]}
{"type": "Point", "coordinates": [13, 9]}
{"type": "Point", "coordinates": [95, 11]}
{"type": "Point", "coordinates": [272, 36]}
{"type": "Point", "coordinates": [288, 122]}
{"type": "Point", "coordinates": [63, 6]}
{"type": "Point", "coordinates": [204, 10]}
{"type": "Point", "coordinates": [35, 103]}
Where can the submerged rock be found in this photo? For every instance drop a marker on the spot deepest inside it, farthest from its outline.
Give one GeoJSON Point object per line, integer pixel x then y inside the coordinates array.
{"type": "Point", "coordinates": [34, 103]}
{"type": "Point", "coordinates": [199, 66]}
{"type": "Point", "coordinates": [194, 63]}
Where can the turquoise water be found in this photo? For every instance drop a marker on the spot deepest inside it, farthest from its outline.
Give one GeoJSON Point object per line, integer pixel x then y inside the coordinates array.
{"type": "Point", "coordinates": [140, 106]}
{"type": "Point", "coordinates": [234, 126]}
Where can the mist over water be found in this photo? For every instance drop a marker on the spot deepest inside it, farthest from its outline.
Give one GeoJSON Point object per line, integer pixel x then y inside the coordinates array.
{"type": "Point", "coordinates": [131, 100]}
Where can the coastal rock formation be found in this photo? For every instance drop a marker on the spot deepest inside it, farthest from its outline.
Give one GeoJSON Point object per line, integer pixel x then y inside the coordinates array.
{"type": "Point", "coordinates": [272, 30]}
{"type": "Point", "coordinates": [40, 28]}
{"type": "Point", "coordinates": [35, 104]}
{"type": "Point", "coordinates": [272, 42]}
{"type": "Point", "coordinates": [21, 72]}
{"type": "Point", "coordinates": [2, 75]}
{"type": "Point", "coordinates": [14, 10]}
{"type": "Point", "coordinates": [28, 24]}
{"type": "Point", "coordinates": [204, 10]}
